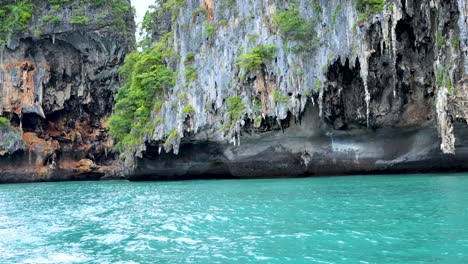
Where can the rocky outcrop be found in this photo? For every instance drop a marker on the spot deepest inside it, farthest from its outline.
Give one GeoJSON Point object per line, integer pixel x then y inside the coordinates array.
{"type": "Point", "coordinates": [358, 90]}
{"type": "Point", "coordinates": [305, 149]}
{"type": "Point", "coordinates": [57, 81]}
{"type": "Point", "coordinates": [263, 89]}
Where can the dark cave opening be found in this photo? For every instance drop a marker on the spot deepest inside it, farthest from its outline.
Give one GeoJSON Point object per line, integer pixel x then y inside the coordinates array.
{"type": "Point", "coordinates": [31, 122]}
{"type": "Point", "coordinates": [405, 32]}
{"type": "Point", "coordinates": [344, 103]}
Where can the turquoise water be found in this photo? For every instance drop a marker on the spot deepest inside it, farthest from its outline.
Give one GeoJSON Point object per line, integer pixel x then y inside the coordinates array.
{"type": "Point", "coordinates": [386, 219]}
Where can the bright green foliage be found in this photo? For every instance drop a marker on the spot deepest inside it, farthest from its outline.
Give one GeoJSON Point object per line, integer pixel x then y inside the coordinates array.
{"type": "Point", "coordinates": [440, 40]}
{"type": "Point", "coordinates": [293, 26]}
{"type": "Point", "coordinates": [147, 26]}
{"type": "Point", "coordinates": [190, 73]}
{"type": "Point", "coordinates": [187, 110]}
{"type": "Point", "coordinates": [317, 85]}
{"type": "Point", "coordinates": [79, 20]}
{"type": "Point", "coordinates": [14, 17]}
{"type": "Point", "coordinates": [279, 98]}
{"type": "Point", "coordinates": [223, 22]}
{"type": "Point", "coordinates": [189, 57]}
{"type": "Point", "coordinates": [146, 77]}
{"type": "Point", "coordinates": [209, 29]}
{"type": "Point", "coordinates": [16, 14]}
{"type": "Point", "coordinates": [118, 10]}
{"type": "Point", "coordinates": [258, 121]}
{"type": "Point", "coordinates": [254, 59]}
{"type": "Point", "coordinates": [52, 19]}
{"type": "Point", "coordinates": [156, 13]}
{"type": "Point", "coordinates": [172, 136]}
{"type": "Point", "coordinates": [172, 6]}
{"type": "Point", "coordinates": [235, 108]}
{"type": "Point", "coordinates": [4, 122]}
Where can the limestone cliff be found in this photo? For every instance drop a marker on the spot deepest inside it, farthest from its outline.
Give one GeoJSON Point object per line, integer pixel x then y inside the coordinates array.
{"type": "Point", "coordinates": [296, 88]}
{"type": "Point", "coordinates": [58, 76]}
{"type": "Point", "coordinates": [234, 89]}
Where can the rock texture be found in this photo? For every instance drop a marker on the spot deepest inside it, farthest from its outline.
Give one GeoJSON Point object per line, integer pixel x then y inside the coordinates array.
{"type": "Point", "coordinates": [57, 82]}
{"type": "Point", "coordinates": [382, 94]}
{"type": "Point", "coordinates": [362, 91]}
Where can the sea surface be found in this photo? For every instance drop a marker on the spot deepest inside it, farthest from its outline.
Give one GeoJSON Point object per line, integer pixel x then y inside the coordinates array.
{"type": "Point", "coordinates": [363, 219]}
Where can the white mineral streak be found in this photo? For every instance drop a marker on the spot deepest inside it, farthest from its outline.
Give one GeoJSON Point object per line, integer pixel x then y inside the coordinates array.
{"type": "Point", "coordinates": [291, 73]}
{"type": "Point", "coordinates": [395, 16]}
{"type": "Point", "coordinates": [462, 24]}
{"type": "Point", "coordinates": [445, 125]}
{"type": "Point", "coordinates": [444, 120]}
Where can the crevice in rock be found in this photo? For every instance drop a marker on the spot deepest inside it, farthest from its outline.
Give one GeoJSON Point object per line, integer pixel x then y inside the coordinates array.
{"type": "Point", "coordinates": [344, 106]}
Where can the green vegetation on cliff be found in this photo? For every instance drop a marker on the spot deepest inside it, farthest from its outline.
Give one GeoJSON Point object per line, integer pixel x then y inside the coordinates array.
{"type": "Point", "coordinates": [149, 75]}
{"type": "Point", "coordinates": [146, 77]}
{"type": "Point", "coordinates": [370, 5]}
{"type": "Point", "coordinates": [294, 26]}
{"type": "Point", "coordinates": [254, 59]}
{"type": "Point", "coordinates": [367, 8]}
{"type": "Point", "coordinates": [235, 108]}
{"type": "Point", "coordinates": [4, 122]}
{"type": "Point", "coordinates": [297, 28]}
{"type": "Point", "coordinates": [15, 15]}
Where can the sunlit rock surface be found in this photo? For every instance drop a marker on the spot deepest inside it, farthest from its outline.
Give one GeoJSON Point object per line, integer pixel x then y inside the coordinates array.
{"type": "Point", "coordinates": [385, 94]}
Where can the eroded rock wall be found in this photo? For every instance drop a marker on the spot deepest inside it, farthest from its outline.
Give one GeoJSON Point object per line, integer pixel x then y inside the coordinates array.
{"type": "Point", "coordinates": [57, 82]}
{"type": "Point", "coordinates": [398, 73]}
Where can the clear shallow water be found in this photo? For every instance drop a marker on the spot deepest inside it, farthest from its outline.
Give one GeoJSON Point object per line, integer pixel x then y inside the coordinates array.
{"type": "Point", "coordinates": [394, 219]}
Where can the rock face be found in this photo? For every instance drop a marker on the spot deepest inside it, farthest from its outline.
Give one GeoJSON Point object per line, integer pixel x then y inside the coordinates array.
{"type": "Point", "coordinates": [57, 81]}
{"type": "Point", "coordinates": [264, 88]}
{"type": "Point", "coordinates": [366, 91]}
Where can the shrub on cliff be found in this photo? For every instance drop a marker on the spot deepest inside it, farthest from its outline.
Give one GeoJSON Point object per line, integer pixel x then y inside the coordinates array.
{"type": "Point", "coordinates": [14, 16]}
{"type": "Point", "coordinates": [235, 108]}
{"type": "Point", "coordinates": [52, 19]}
{"type": "Point", "coordinates": [254, 59]}
{"type": "Point", "coordinates": [79, 20]}
{"type": "Point", "coordinates": [4, 122]}
{"type": "Point", "coordinates": [146, 76]}
{"type": "Point", "coordinates": [296, 28]}
{"type": "Point", "coordinates": [292, 25]}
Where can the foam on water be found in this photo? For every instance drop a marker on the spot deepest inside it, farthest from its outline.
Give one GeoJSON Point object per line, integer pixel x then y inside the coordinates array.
{"type": "Point", "coordinates": [391, 219]}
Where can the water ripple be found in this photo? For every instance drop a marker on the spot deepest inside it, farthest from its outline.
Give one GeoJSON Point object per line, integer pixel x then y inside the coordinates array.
{"type": "Point", "coordinates": [349, 220]}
